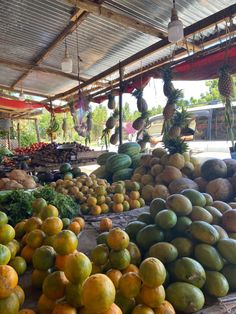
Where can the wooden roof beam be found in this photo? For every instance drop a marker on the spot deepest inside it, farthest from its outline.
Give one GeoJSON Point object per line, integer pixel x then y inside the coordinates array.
{"type": "Point", "coordinates": [80, 17]}
{"type": "Point", "coordinates": [188, 31]}
{"type": "Point", "coordinates": [18, 90]}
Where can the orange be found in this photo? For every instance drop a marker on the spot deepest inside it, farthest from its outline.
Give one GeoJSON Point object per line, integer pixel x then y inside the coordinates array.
{"type": "Point", "coordinates": [114, 275]}
{"type": "Point", "coordinates": [141, 202]}
{"type": "Point", "coordinates": [96, 269]}
{"type": "Point", "coordinates": [27, 253]}
{"type": "Point", "coordinates": [45, 305]}
{"type": "Point", "coordinates": [8, 280]}
{"type": "Point", "coordinates": [130, 285]}
{"type": "Point", "coordinates": [35, 238]}
{"type": "Point", "coordinates": [101, 199]}
{"type": "Point", "coordinates": [119, 259]}
{"type": "Point", "coordinates": [100, 254]}
{"type": "Point", "coordinates": [114, 309]}
{"type": "Point", "coordinates": [98, 293]}
{"type": "Point", "coordinates": [117, 207]}
{"type": "Point", "coordinates": [81, 222]}
{"type": "Point", "coordinates": [64, 308]}
{"type": "Point", "coordinates": [152, 272]}
{"type": "Point", "coordinates": [49, 211]}
{"type": "Point", "coordinates": [3, 218]}
{"type": "Point", "coordinates": [65, 242]}
{"type": "Point", "coordinates": [5, 254]}
{"type": "Point", "coordinates": [126, 205]}
{"type": "Point", "coordinates": [52, 225]}
{"type": "Point", "coordinates": [19, 264]}
{"type": "Point", "coordinates": [54, 285]}
{"type": "Point", "coordinates": [66, 222]}
{"type": "Point", "coordinates": [7, 233]}
{"type": "Point", "coordinates": [26, 311]}
{"type": "Point", "coordinates": [100, 190]}
{"type": "Point", "coordinates": [165, 308]}
{"type": "Point", "coordinates": [118, 198]}
{"type": "Point", "coordinates": [44, 257]}
{"type": "Point", "coordinates": [74, 227]}
{"type": "Point", "coordinates": [74, 294]}
{"type": "Point", "coordinates": [20, 294]}
{"type": "Point", "coordinates": [32, 223]}
{"type": "Point", "coordinates": [95, 210]}
{"type": "Point", "coordinates": [105, 224]}
{"type": "Point", "coordinates": [49, 240]}
{"type": "Point", "coordinates": [104, 208]}
{"type": "Point", "coordinates": [12, 248]}
{"type": "Point", "coordinates": [20, 229]}
{"type": "Point", "coordinates": [92, 201]}
{"type": "Point", "coordinates": [134, 204]}
{"type": "Point", "coordinates": [38, 277]}
{"type": "Point", "coordinates": [126, 305]}
{"type": "Point", "coordinates": [152, 297]}
{"type": "Point", "coordinates": [77, 268]}
{"type": "Point", "coordinates": [16, 244]}
{"type": "Point", "coordinates": [61, 261]}
{"type": "Point", "coordinates": [10, 305]}
{"type": "Point", "coordinates": [134, 195]}
{"type": "Point", "coordinates": [23, 240]}
{"type": "Point", "coordinates": [135, 254]}
{"type": "Point", "coordinates": [131, 269]}
{"type": "Point", "coordinates": [117, 239]}
{"type": "Point", "coordinates": [38, 204]}
{"type": "Point", "coordinates": [142, 309]}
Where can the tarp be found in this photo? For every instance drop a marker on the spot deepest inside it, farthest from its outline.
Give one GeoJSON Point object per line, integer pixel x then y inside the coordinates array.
{"type": "Point", "coordinates": [19, 105]}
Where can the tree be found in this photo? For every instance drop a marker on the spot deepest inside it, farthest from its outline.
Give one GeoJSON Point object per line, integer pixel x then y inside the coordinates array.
{"type": "Point", "coordinates": [99, 117]}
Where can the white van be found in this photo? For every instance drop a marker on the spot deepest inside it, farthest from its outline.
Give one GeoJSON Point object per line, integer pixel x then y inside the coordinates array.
{"type": "Point", "coordinates": [210, 137]}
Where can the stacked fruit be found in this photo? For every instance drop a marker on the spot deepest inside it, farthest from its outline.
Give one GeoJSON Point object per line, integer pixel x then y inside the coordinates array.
{"type": "Point", "coordinates": [190, 233]}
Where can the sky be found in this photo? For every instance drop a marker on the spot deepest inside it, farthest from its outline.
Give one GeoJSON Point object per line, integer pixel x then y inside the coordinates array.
{"type": "Point", "coordinates": [153, 92]}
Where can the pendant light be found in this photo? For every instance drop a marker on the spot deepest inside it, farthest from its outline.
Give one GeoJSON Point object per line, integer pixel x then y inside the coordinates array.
{"type": "Point", "coordinates": [175, 27]}
{"type": "Point", "coordinates": [67, 63]}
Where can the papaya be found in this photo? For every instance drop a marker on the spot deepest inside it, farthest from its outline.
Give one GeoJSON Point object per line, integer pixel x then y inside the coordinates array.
{"type": "Point", "coordinates": [208, 256]}
{"type": "Point", "coordinates": [216, 214]}
{"type": "Point", "coordinates": [204, 232]}
{"type": "Point", "coordinates": [216, 284]}
{"type": "Point", "coordinates": [185, 297]}
{"type": "Point", "coordinates": [195, 197]}
{"type": "Point", "coordinates": [200, 213]}
{"type": "Point", "coordinates": [148, 236]}
{"type": "Point", "coordinates": [227, 248]}
{"type": "Point", "coordinates": [229, 271]}
{"type": "Point", "coordinates": [157, 204]}
{"type": "Point", "coordinates": [133, 228]}
{"type": "Point", "coordinates": [184, 246]}
{"type": "Point", "coordinates": [180, 204]}
{"type": "Point", "coordinates": [164, 251]}
{"type": "Point", "coordinates": [188, 270]}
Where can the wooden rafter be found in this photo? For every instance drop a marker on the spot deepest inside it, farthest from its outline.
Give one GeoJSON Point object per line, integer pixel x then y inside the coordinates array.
{"type": "Point", "coordinates": [5, 87]}
{"type": "Point", "coordinates": [80, 16]}
{"type": "Point", "coordinates": [188, 31]}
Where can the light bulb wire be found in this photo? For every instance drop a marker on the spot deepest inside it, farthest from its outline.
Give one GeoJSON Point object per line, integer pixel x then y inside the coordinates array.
{"type": "Point", "coordinates": [78, 58]}
{"type": "Point", "coordinates": [174, 4]}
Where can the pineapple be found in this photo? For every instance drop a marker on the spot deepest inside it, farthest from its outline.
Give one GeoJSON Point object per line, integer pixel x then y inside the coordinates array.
{"type": "Point", "coordinates": [168, 86]}
{"type": "Point", "coordinates": [179, 121]}
{"type": "Point", "coordinates": [115, 137]}
{"type": "Point", "coordinates": [141, 102]}
{"type": "Point", "coordinates": [175, 145]}
{"type": "Point", "coordinates": [225, 83]}
{"type": "Point", "coordinates": [111, 122]}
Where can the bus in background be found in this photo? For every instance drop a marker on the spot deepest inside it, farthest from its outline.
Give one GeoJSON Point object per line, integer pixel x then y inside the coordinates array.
{"type": "Point", "coordinates": [210, 133]}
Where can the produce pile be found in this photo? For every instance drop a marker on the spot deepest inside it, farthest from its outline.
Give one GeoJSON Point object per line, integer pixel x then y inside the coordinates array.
{"type": "Point", "coordinates": [30, 150]}
{"type": "Point", "coordinates": [17, 179]}
{"type": "Point", "coordinates": [194, 237]}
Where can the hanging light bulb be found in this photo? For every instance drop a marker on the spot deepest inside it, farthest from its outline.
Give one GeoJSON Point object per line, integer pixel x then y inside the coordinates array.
{"type": "Point", "coordinates": [175, 27]}
{"type": "Point", "coordinates": [67, 63]}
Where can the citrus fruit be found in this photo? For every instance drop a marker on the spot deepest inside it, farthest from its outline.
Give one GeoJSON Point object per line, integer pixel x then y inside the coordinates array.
{"type": "Point", "coordinates": [12, 248]}
{"type": "Point", "coordinates": [74, 294]}
{"type": "Point", "coordinates": [135, 253]}
{"type": "Point", "coordinates": [126, 206]}
{"type": "Point", "coordinates": [102, 238]}
{"type": "Point", "coordinates": [32, 223]}
{"type": "Point", "coordinates": [142, 309]}
{"type": "Point", "coordinates": [126, 305]}
{"type": "Point", "coordinates": [49, 211]}
{"type": "Point", "coordinates": [27, 253]}
{"type": "Point", "coordinates": [117, 207]}
{"type": "Point", "coordinates": [45, 305]}
{"type": "Point", "coordinates": [26, 311]}
{"type": "Point", "coordinates": [35, 238]}
{"type": "Point", "coordinates": [19, 264]}
{"type": "Point", "coordinates": [7, 233]}
{"type": "Point", "coordinates": [114, 275]}
{"type": "Point", "coordinates": [52, 225]}
{"type": "Point", "coordinates": [38, 277]}
{"type": "Point", "coordinates": [8, 280]}
{"type": "Point", "coordinates": [117, 239]}
{"type": "Point", "coordinates": [66, 222]}
{"type": "Point", "coordinates": [98, 293]}
{"type": "Point", "coordinates": [152, 272]}
{"type": "Point", "coordinates": [3, 219]}
{"type": "Point", "coordinates": [44, 257]}
{"type": "Point", "coordinates": [77, 267]}
{"type": "Point", "coordinates": [152, 297]}
{"type": "Point", "coordinates": [64, 309]}
{"type": "Point", "coordinates": [131, 269]}
{"type": "Point", "coordinates": [20, 229]}
{"type": "Point", "coordinates": [95, 210]}
{"type": "Point", "coordinates": [20, 294]}
{"type": "Point", "coordinates": [10, 304]}
{"type": "Point", "coordinates": [165, 308]}
{"type": "Point", "coordinates": [119, 259]}
{"type": "Point", "coordinates": [49, 240]}
{"type": "Point", "coordinates": [61, 261]}
{"type": "Point", "coordinates": [105, 224]}
{"type": "Point", "coordinates": [74, 227]}
{"type": "Point", "coordinates": [5, 254]}
{"type": "Point", "coordinates": [38, 204]}
{"type": "Point", "coordinates": [100, 254]}
{"type": "Point", "coordinates": [100, 190]}
{"type": "Point", "coordinates": [81, 222]}
{"type": "Point", "coordinates": [104, 208]}
{"type": "Point", "coordinates": [96, 269]}
{"type": "Point", "coordinates": [130, 285]}
{"type": "Point", "coordinates": [54, 285]}
{"type": "Point", "coordinates": [65, 242]}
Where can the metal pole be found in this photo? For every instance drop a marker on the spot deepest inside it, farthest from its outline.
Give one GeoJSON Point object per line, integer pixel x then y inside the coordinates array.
{"type": "Point", "coordinates": [121, 73]}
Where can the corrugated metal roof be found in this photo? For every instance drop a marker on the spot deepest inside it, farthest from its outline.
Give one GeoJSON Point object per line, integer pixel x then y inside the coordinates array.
{"type": "Point", "coordinates": [27, 27]}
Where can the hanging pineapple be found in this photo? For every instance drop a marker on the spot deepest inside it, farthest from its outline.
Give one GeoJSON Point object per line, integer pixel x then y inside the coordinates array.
{"type": "Point", "coordinates": [115, 137]}
{"type": "Point", "coordinates": [179, 121]}
{"type": "Point", "coordinates": [168, 86]}
{"type": "Point", "coordinates": [226, 89]}
{"type": "Point", "coordinates": [170, 107]}
{"type": "Point", "coordinates": [141, 102]}
{"type": "Point", "coordinates": [112, 121]}
{"type": "Point", "coordinates": [144, 140]}
{"type": "Point", "coordinates": [141, 122]}
{"type": "Point", "coordinates": [111, 101]}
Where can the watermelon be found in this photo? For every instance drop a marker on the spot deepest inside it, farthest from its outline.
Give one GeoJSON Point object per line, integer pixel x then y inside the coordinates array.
{"type": "Point", "coordinates": [101, 160]}
{"type": "Point", "coordinates": [123, 174]}
{"type": "Point", "coordinates": [66, 167]}
{"type": "Point", "coordinates": [118, 162]}
{"type": "Point", "coordinates": [130, 148]}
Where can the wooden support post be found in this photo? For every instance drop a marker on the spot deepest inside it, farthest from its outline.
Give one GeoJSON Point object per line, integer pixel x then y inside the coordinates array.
{"type": "Point", "coordinates": [18, 133]}
{"type": "Point", "coordinates": [37, 129]}
{"type": "Point", "coordinates": [9, 139]}
{"type": "Point", "coordinates": [121, 72]}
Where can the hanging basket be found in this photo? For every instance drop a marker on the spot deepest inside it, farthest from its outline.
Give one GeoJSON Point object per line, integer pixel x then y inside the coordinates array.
{"type": "Point", "coordinates": [5, 125]}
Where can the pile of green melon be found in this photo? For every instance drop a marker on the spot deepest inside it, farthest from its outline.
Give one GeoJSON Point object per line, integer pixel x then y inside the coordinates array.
{"type": "Point", "coordinates": [195, 238]}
